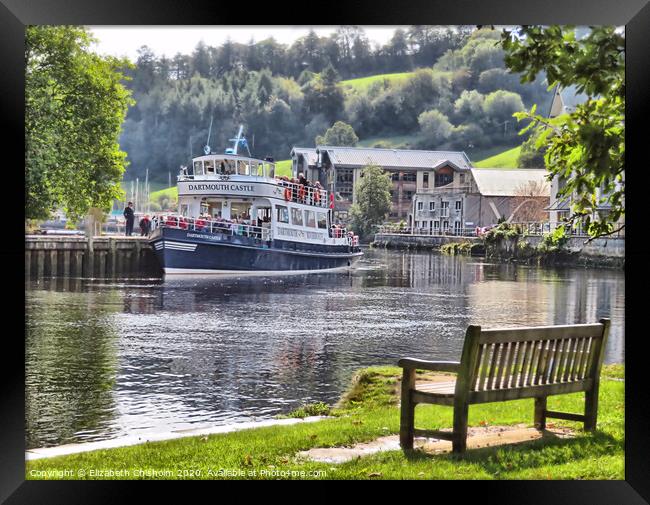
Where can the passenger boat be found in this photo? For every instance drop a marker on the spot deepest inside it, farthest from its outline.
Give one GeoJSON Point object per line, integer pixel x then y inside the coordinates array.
{"type": "Point", "coordinates": [236, 216]}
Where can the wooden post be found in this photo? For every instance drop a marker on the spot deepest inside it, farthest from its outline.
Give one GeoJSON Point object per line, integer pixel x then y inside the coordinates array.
{"type": "Point", "coordinates": [464, 381]}
{"type": "Point", "coordinates": [66, 263]}
{"type": "Point", "coordinates": [591, 396]}
{"type": "Point", "coordinates": [407, 410]}
{"type": "Point", "coordinates": [78, 263]}
{"type": "Point", "coordinates": [54, 256]}
{"type": "Point", "coordinates": [90, 258]}
{"type": "Point", "coordinates": [28, 263]}
{"type": "Point", "coordinates": [540, 413]}
{"type": "Point", "coordinates": [40, 263]}
{"type": "Point", "coordinates": [102, 263]}
{"type": "Point", "coordinates": [113, 248]}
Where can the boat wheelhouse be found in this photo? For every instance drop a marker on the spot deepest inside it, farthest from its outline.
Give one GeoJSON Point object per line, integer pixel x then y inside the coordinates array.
{"type": "Point", "coordinates": [236, 215]}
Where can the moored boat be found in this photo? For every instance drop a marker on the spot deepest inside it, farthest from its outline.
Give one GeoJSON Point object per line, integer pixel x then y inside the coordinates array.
{"type": "Point", "coordinates": [236, 216]}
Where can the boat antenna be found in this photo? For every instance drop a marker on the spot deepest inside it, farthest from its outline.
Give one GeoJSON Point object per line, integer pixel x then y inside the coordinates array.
{"type": "Point", "coordinates": [206, 149]}
{"type": "Point", "coordinates": [240, 139]}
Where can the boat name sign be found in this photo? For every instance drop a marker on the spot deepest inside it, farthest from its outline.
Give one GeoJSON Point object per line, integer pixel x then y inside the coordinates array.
{"type": "Point", "coordinates": [232, 187]}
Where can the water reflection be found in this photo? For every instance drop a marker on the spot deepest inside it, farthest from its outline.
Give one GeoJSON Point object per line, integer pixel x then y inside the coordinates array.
{"type": "Point", "coordinates": [107, 358]}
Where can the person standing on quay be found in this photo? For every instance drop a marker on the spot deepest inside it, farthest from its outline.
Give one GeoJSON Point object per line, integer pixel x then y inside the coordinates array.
{"type": "Point", "coordinates": [130, 219]}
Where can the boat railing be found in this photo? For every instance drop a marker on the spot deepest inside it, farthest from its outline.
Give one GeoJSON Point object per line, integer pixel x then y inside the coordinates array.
{"type": "Point", "coordinates": [213, 226]}
{"type": "Point", "coordinates": [300, 193]}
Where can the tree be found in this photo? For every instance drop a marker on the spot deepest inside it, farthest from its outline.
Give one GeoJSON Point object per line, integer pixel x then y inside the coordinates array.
{"type": "Point", "coordinates": [529, 202]}
{"type": "Point", "coordinates": [587, 150]}
{"type": "Point", "coordinates": [340, 134]}
{"type": "Point", "coordinates": [435, 126]}
{"type": "Point", "coordinates": [75, 104]}
{"type": "Point", "coordinates": [373, 201]}
{"type": "Point", "coordinates": [500, 105]}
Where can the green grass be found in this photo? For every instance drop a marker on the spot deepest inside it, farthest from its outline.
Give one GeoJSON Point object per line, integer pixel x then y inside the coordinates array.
{"type": "Point", "coordinates": [369, 410]}
{"type": "Point", "coordinates": [283, 167]}
{"type": "Point", "coordinates": [505, 159]}
{"type": "Point", "coordinates": [363, 83]}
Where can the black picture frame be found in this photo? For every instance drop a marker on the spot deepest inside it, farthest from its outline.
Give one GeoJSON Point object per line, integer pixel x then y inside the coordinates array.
{"type": "Point", "coordinates": [634, 14]}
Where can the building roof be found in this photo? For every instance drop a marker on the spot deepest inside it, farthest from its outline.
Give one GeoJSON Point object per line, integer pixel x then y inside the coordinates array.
{"type": "Point", "coordinates": [394, 158]}
{"type": "Point", "coordinates": [387, 158]}
{"type": "Point", "coordinates": [307, 152]}
{"type": "Point", "coordinates": [494, 182]}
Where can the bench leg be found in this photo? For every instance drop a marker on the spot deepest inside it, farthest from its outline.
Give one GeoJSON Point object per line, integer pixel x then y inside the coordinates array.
{"type": "Point", "coordinates": [407, 411]}
{"type": "Point", "coordinates": [540, 413]}
{"type": "Point", "coordinates": [459, 444]}
{"type": "Point", "coordinates": [591, 408]}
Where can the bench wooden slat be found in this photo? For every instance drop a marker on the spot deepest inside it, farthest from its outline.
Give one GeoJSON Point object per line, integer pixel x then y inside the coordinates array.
{"type": "Point", "coordinates": [493, 366]}
{"type": "Point", "coordinates": [564, 415]}
{"type": "Point", "coordinates": [500, 395]}
{"type": "Point", "coordinates": [486, 361]}
{"type": "Point", "coordinates": [501, 335]}
{"type": "Point", "coordinates": [524, 365]}
{"type": "Point", "coordinates": [557, 356]}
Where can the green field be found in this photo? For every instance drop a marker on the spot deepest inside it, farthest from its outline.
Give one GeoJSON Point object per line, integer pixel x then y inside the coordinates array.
{"type": "Point", "coordinates": [370, 409]}
{"type": "Point", "coordinates": [363, 83]}
{"type": "Point", "coordinates": [505, 159]}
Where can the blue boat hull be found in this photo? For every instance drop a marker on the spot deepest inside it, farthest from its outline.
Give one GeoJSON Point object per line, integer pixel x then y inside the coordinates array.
{"type": "Point", "coordinates": [185, 251]}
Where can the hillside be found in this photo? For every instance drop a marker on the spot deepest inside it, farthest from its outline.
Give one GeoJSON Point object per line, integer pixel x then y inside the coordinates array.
{"type": "Point", "coordinates": [505, 159]}
{"type": "Point", "coordinates": [363, 83]}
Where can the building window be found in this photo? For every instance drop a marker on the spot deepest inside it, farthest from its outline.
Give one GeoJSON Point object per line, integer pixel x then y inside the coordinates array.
{"type": "Point", "coordinates": [432, 206]}
{"type": "Point", "coordinates": [443, 179]}
{"type": "Point", "coordinates": [420, 205]}
{"type": "Point", "coordinates": [409, 176]}
{"type": "Point", "coordinates": [425, 179]}
{"type": "Point", "coordinates": [462, 178]}
{"type": "Point", "coordinates": [459, 204]}
{"type": "Point", "coordinates": [407, 195]}
{"type": "Point", "coordinates": [344, 182]}
{"type": "Point", "coordinates": [445, 225]}
{"type": "Point", "coordinates": [436, 225]}
{"type": "Point", "coordinates": [395, 176]}
{"type": "Point", "coordinates": [457, 226]}
{"type": "Point", "coordinates": [444, 210]}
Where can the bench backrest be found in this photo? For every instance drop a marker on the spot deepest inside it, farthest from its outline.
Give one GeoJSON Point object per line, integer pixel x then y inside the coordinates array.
{"type": "Point", "coordinates": [508, 360]}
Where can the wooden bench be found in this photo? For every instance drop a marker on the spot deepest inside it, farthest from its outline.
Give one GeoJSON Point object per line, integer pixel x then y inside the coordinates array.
{"type": "Point", "coordinates": [508, 364]}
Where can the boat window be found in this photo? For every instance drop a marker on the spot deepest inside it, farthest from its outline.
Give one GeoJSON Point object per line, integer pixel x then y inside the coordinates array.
{"type": "Point", "coordinates": [198, 168]}
{"type": "Point", "coordinates": [185, 209]}
{"type": "Point", "coordinates": [322, 220]}
{"type": "Point", "coordinates": [228, 167]}
{"type": "Point", "coordinates": [296, 217]}
{"type": "Point", "coordinates": [209, 167]}
{"type": "Point", "coordinates": [242, 168]}
{"type": "Point", "coordinates": [310, 218]}
{"type": "Point", "coordinates": [282, 214]}
{"type": "Point", "coordinates": [260, 169]}
{"type": "Point", "coordinates": [270, 170]}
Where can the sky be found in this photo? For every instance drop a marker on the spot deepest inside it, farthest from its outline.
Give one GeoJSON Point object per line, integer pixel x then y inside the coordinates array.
{"type": "Point", "coordinates": [169, 40]}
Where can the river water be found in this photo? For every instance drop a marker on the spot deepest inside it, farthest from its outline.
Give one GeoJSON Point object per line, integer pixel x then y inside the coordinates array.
{"type": "Point", "coordinates": [108, 358]}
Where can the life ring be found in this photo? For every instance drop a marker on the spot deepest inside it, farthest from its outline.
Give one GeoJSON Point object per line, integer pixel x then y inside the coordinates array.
{"type": "Point", "coordinates": [301, 192]}
{"type": "Point", "coordinates": [287, 194]}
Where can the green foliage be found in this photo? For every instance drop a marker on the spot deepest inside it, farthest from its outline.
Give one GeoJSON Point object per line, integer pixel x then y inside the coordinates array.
{"type": "Point", "coordinates": [587, 149]}
{"type": "Point", "coordinates": [75, 104]}
{"type": "Point", "coordinates": [311, 409]}
{"type": "Point", "coordinates": [435, 127]}
{"type": "Point", "coordinates": [501, 105]}
{"type": "Point", "coordinates": [340, 134]}
{"type": "Point", "coordinates": [554, 241]}
{"type": "Point", "coordinates": [373, 200]}
{"type": "Point", "coordinates": [456, 248]}
{"type": "Point", "coordinates": [502, 231]}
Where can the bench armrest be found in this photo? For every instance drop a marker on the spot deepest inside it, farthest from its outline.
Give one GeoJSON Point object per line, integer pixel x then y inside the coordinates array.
{"type": "Point", "coordinates": [434, 366]}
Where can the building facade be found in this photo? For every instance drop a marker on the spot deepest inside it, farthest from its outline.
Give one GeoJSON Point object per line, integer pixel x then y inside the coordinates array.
{"type": "Point", "coordinates": [480, 197]}
{"type": "Point", "coordinates": [339, 168]}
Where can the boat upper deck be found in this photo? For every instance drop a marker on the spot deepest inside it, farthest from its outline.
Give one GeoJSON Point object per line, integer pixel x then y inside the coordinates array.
{"type": "Point", "coordinates": [227, 174]}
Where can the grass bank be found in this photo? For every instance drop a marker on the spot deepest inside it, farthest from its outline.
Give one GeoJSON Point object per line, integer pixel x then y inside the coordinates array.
{"type": "Point", "coordinates": [367, 411]}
